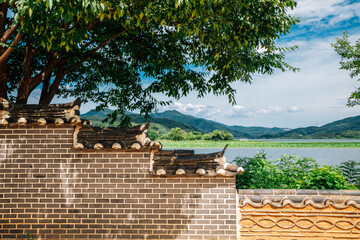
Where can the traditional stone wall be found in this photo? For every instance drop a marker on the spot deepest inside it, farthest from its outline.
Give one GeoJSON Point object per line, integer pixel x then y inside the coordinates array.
{"type": "Point", "coordinates": [52, 191]}
{"type": "Point", "coordinates": [299, 214]}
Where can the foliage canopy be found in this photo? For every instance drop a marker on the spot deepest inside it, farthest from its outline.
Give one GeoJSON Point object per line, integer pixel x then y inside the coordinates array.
{"type": "Point", "coordinates": [176, 134]}
{"type": "Point", "coordinates": [218, 135]}
{"type": "Point", "coordinates": [350, 60]}
{"type": "Point", "coordinates": [119, 53]}
{"type": "Point", "coordinates": [292, 172]}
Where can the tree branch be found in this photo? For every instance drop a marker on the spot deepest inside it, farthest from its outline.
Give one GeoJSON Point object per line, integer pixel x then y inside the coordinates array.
{"type": "Point", "coordinates": [45, 87]}
{"type": "Point", "coordinates": [3, 13]}
{"type": "Point", "coordinates": [29, 55]}
{"type": "Point", "coordinates": [70, 69]}
{"type": "Point", "coordinates": [7, 34]}
{"type": "Point", "coordinates": [5, 56]}
{"type": "Point", "coordinates": [49, 95]}
{"type": "Point", "coordinates": [47, 70]}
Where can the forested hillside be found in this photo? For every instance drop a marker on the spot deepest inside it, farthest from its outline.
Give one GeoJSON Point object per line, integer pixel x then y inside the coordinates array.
{"type": "Point", "coordinates": [345, 128]}
{"type": "Point", "coordinates": [163, 122]}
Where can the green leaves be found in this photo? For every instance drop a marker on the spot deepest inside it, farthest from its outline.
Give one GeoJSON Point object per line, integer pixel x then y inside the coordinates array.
{"type": "Point", "coordinates": [326, 177]}
{"type": "Point", "coordinates": [176, 134]}
{"type": "Point", "coordinates": [289, 172]}
{"type": "Point", "coordinates": [49, 4]}
{"type": "Point", "coordinates": [351, 170]}
{"type": "Point", "coordinates": [120, 53]}
{"type": "Point", "coordinates": [350, 61]}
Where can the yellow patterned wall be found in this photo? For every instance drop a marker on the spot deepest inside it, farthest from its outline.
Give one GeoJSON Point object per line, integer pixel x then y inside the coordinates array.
{"type": "Point", "coordinates": [287, 220]}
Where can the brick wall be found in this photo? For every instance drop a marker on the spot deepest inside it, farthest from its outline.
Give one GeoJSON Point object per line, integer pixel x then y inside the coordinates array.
{"type": "Point", "coordinates": [299, 214]}
{"type": "Point", "coordinates": [51, 191]}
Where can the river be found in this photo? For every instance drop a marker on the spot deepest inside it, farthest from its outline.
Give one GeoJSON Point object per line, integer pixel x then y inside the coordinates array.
{"type": "Point", "coordinates": [324, 156]}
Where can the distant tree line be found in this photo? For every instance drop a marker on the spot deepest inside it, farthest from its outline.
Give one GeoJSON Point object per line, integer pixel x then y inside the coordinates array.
{"type": "Point", "coordinates": [177, 134]}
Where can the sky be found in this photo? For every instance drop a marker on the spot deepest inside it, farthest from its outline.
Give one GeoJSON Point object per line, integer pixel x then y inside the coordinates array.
{"type": "Point", "coordinates": [314, 96]}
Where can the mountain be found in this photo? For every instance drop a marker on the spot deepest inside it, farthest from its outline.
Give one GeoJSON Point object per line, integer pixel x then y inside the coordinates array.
{"type": "Point", "coordinates": [164, 121]}
{"type": "Point", "coordinates": [207, 126]}
{"type": "Point", "coordinates": [259, 132]}
{"type": "Point", "coordinates": [161, 125]}
{"type": "Point", "coordinates": [345, 128]}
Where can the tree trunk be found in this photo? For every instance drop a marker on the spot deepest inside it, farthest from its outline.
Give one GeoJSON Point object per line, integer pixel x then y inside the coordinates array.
{"type": "Point", "coordinates": [24, 91]}
{"type": "Point", "coordinates": [3, 80]}
{"type": "Point", "coordinates": [49, 92]}
{"type": "Point", "coordinates": [3, 13]}
{"type": "Point", "coordinates": [45, 89]}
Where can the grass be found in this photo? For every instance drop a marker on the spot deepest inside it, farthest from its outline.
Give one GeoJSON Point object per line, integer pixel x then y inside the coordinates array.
{"type": "Point", "coordinates": [256, 144]}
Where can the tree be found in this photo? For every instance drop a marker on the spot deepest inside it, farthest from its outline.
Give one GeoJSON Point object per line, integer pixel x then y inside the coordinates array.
{"type": "Point", "coordinates": [176, 134]}
{"type": "Point", "coordinates": [119, 53]}
{"type": "Point", "coordinates": [153, 135]}
{"type": "Point", "coordinates": [218, 135]}
{"type": "Point", "coordinates": [193, 135]}
{"type": "Point", "coordinates": [350, 60]}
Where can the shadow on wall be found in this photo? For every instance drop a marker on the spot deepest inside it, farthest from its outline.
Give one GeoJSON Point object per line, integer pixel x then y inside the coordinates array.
{"type": "Point", "coordinates": [51, 191]}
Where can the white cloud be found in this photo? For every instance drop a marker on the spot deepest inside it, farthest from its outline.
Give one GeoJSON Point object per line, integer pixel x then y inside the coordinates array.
{"type": "Point", "coordinates": [238, 107]}
{"type": "Point", "coordinates": [333, 11]}
{"type": "Point", "coordinates": [270, 110]}
{"type": "Point", "coordinates": [190, 108]}
{"type": "Point", "coordinates": [293, 109]}
{"type": "Point", "coordinates": [198, 110]}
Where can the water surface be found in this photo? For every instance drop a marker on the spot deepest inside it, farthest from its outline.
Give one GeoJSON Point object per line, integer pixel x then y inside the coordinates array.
{"type": "Point", "coordinates": [327, 156]}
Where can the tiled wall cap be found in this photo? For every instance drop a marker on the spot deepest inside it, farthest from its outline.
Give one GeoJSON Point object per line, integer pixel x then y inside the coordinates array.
{"type": "Point", "coordinates": [209, 164]}
{"type": "Point", "coordinates": [41, 121]}
{"type": "Point", "coordinates": [3, 122]}
{"type": "Point", "coordinates": [263, 192]}
{"type": "Point", "coordinates": [98, 146]}
{"type": "Point", "coordinates": [300, 201]}
{"type": "Point", "coordinates": [350, 192]}
{"type": "Point", "coordinates": [201, 171]}
{"type": "Point", "coordinates": [245, 191]}
{"type": "Point", "coordinates": [136, 145]}
{"type": "Point", "coordinates": [349, 202]}
{"type": "Point", "coordinates": [180, 171]}
{"type": "Point", "coordinates": [307, 192]}
{"type": "Point", "coordinates": [284, 191]}
{"type": "Point", "coordinates": [329, 192]}
{"type": "Point", "coordinates": [78, 146]}
{"type": "Point", "coordinates": [161, 172]}
{"type": "Point", "coordinates": [244, 201]}
{"type": "Point", "coordinates": [265, 201]}
{"type": "Point", "coordinates": [308, 201]}
{"type": "Point", "coordinates": [22, 121]}
{"type": "Point", "coordinates": [75, 120]}
{"type": "Point", "coordinates": [116, 146]}
{"type": "Point", "coordinates": [135, 138]}
{"type": "Point", "coordinates": [328, 201]}
{"type": "Point", "coordinates": [4, 103]}
{"type": "Point", "coordinates": [85, 122]}
{"type": "Point", "coordinates": [155, 144]}
{"type": "Point", "coordinates": [286, 201]}
{"type": "Point", "coordinates": [59, 121]}
{"type": "Point", "coordinates": [40, 114]}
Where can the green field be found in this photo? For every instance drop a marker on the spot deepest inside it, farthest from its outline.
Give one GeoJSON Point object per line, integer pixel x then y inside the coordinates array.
{"type": "Point", "coordinates": [256, 144]}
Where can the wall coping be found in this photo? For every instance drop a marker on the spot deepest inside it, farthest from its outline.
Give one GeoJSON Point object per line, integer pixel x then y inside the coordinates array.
{"type": "Point", "coordinates": [299, 198]}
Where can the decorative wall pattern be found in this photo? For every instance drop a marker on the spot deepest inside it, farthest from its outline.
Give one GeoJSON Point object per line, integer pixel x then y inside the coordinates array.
{"type": "Point", "coordinates": [299, 214]}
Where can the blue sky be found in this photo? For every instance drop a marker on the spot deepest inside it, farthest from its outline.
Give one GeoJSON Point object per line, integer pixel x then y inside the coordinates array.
{"type": "Point", "coordinates": [312, 97]}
